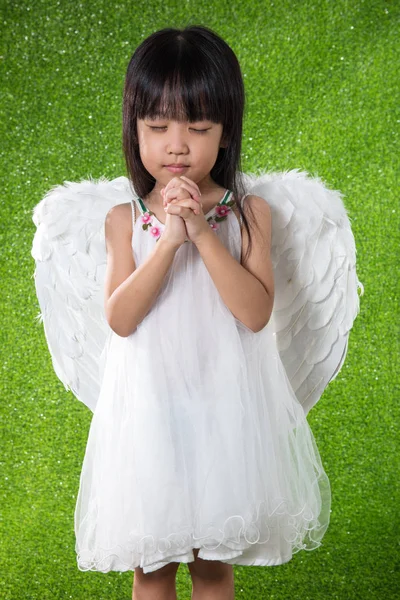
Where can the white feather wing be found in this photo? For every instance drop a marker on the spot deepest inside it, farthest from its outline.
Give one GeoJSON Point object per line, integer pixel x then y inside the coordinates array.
{"type": "Point", "coordinates": [313, 254]}
{"type": "Point", "coordinates": [70, 257]}
{"type": "Point", "coordinates": [316, 286]}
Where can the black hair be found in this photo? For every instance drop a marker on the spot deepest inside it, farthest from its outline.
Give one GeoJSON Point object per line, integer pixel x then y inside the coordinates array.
{"type": "Point", "coordinates": [186, 74]}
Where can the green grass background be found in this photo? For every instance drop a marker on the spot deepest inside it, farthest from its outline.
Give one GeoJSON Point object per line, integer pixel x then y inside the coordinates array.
{"type": "Point", "coordinates": [322, 95]}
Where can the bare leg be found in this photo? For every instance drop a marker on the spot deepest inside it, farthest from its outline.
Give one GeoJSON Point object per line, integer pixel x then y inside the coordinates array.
{"type": "Point", "coordinates": [157, 585]}
{"type": "Point", "coordinates": [212, 579]}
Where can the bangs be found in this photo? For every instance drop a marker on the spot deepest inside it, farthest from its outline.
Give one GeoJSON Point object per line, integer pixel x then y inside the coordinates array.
{"type": "Point", "coordinates": [180, 86]}
{"type": "Point", "coordinates": [178, 102]}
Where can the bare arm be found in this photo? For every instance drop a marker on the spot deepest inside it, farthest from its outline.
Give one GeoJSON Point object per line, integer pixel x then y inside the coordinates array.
{"type": "Point", "coordinates": [248, 289]}
{"type": "Point", "coordinates": [129, 291]}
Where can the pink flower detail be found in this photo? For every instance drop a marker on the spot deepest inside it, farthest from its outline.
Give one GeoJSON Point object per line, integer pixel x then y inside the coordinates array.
{"type": "Point", "coordinates": [222, 210]}
{"type": "Point", "coordinates": [155, 231]}
{"type": "Point", "coordinates": [214, 225]}
{"type": "Point", "coordinates": [146, 217]}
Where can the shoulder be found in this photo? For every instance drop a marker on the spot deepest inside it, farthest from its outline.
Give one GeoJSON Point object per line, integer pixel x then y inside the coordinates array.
{"type": "Point", "coordinates": [118, 215]}
{"type": "Point", "coordinates": [257, 204]}
{"type": "Point", "coordinates": [258, 209]}
{"type": "Point", "coordinates": [119, 220]}
{"type": "Point", "coordinates": [119, 212]}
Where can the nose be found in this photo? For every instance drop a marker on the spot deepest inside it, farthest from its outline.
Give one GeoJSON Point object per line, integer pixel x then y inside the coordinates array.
{"type": "Point", "coordinates": [177, 143]}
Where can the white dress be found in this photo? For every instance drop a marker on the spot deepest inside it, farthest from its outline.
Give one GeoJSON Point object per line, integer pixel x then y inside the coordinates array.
{"type": "Point", "coordinates": [197, 439]}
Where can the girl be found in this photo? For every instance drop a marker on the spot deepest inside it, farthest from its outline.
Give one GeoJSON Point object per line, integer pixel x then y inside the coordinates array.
{"type": "Point", "coordinates": [198, 450]}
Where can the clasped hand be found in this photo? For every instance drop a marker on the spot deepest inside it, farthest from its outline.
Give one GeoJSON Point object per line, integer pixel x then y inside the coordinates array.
{"type": "Point", "coordinates": [182, 198]}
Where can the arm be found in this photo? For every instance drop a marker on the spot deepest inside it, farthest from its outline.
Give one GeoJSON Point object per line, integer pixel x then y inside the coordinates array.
{"type": "Point", "coordinates": [248, 289]}
{"type": "Point", "coordinates": [130, 292]}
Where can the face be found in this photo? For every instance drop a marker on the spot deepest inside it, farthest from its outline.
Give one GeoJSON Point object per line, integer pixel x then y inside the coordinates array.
{"type": "Point", "coordinates": [164, 142]}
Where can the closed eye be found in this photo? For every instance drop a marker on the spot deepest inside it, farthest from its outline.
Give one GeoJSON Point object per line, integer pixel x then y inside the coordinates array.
{"type": "Point", "coordinates": [162, 128]}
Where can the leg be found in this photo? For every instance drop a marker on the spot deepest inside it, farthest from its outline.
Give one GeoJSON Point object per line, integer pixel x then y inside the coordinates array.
{"type": "Point", "coordinates": [212, 579]}
{"type": "Point", "coordinates": [157, 585]}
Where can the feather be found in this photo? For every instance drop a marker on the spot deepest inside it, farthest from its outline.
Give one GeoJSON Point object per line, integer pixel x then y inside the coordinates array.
{"type": "Point", "coordinates": [70, 257]}
{"type": "Point", "coordinates": [313, 256]}
{"type": "Point", "coordinates": [316, 287]}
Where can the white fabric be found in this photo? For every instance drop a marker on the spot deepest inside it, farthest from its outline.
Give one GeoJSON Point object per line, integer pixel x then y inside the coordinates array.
{"type": "Point", "coordinates": [197, 439]}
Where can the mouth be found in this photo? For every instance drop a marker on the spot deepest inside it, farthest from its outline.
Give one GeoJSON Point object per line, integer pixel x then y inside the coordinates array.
{"type": "Point", "coordinates": [176, 167]}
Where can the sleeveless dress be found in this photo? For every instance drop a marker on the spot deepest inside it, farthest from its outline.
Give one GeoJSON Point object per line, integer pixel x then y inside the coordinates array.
{"type": "Point", "coordinates": [197, 439]}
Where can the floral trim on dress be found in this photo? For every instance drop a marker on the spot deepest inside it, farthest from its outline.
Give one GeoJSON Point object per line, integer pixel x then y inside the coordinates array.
{"type": "Point", "coordinates": [221, 211]}
{"type": "Point", "coordinates": [147, 224]}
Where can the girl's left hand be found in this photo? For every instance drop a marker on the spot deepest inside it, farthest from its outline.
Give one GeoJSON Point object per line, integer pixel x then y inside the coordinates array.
{"type": "Point", "coordinates": [176, 202]}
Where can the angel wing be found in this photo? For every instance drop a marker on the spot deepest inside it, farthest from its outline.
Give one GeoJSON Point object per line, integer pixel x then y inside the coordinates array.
{"type": "Point", "coordinates": [313, 254]}
{"type": "Point", "coordinates": [316, 286]}
{"type": "Point", "coordinates": [70, 256]}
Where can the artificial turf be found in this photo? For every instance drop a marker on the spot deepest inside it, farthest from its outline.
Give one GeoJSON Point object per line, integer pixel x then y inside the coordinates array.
{"type": "Point", "coordinates": [322, 96]}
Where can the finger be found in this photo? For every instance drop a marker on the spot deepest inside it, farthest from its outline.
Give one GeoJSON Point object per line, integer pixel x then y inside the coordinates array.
{"type": "Point", "coordinates": [189, 203]}
{"type": "Point", "coordinates": [180, 211]}
{"type": "Point", "coordinates": [171, 196]}
{"type": "Point", "coordinates": [177, 192]}
{"type": "Point", "coordinates": [174, 182]}
{"type": "Point", "coordinates": [196, 206]}
{"type": "Point", "coordinates": [192, 189]}
{"type": "Point", "coordinates": [170, 191]}
{"type": "Point", "coordinates": [184, 182]}
{"type": "Point", "coordinates": [190, 181]}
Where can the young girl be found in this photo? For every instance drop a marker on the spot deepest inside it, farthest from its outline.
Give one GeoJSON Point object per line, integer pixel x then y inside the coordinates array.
{"type": "Point", "coordinates": [198, 450]}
